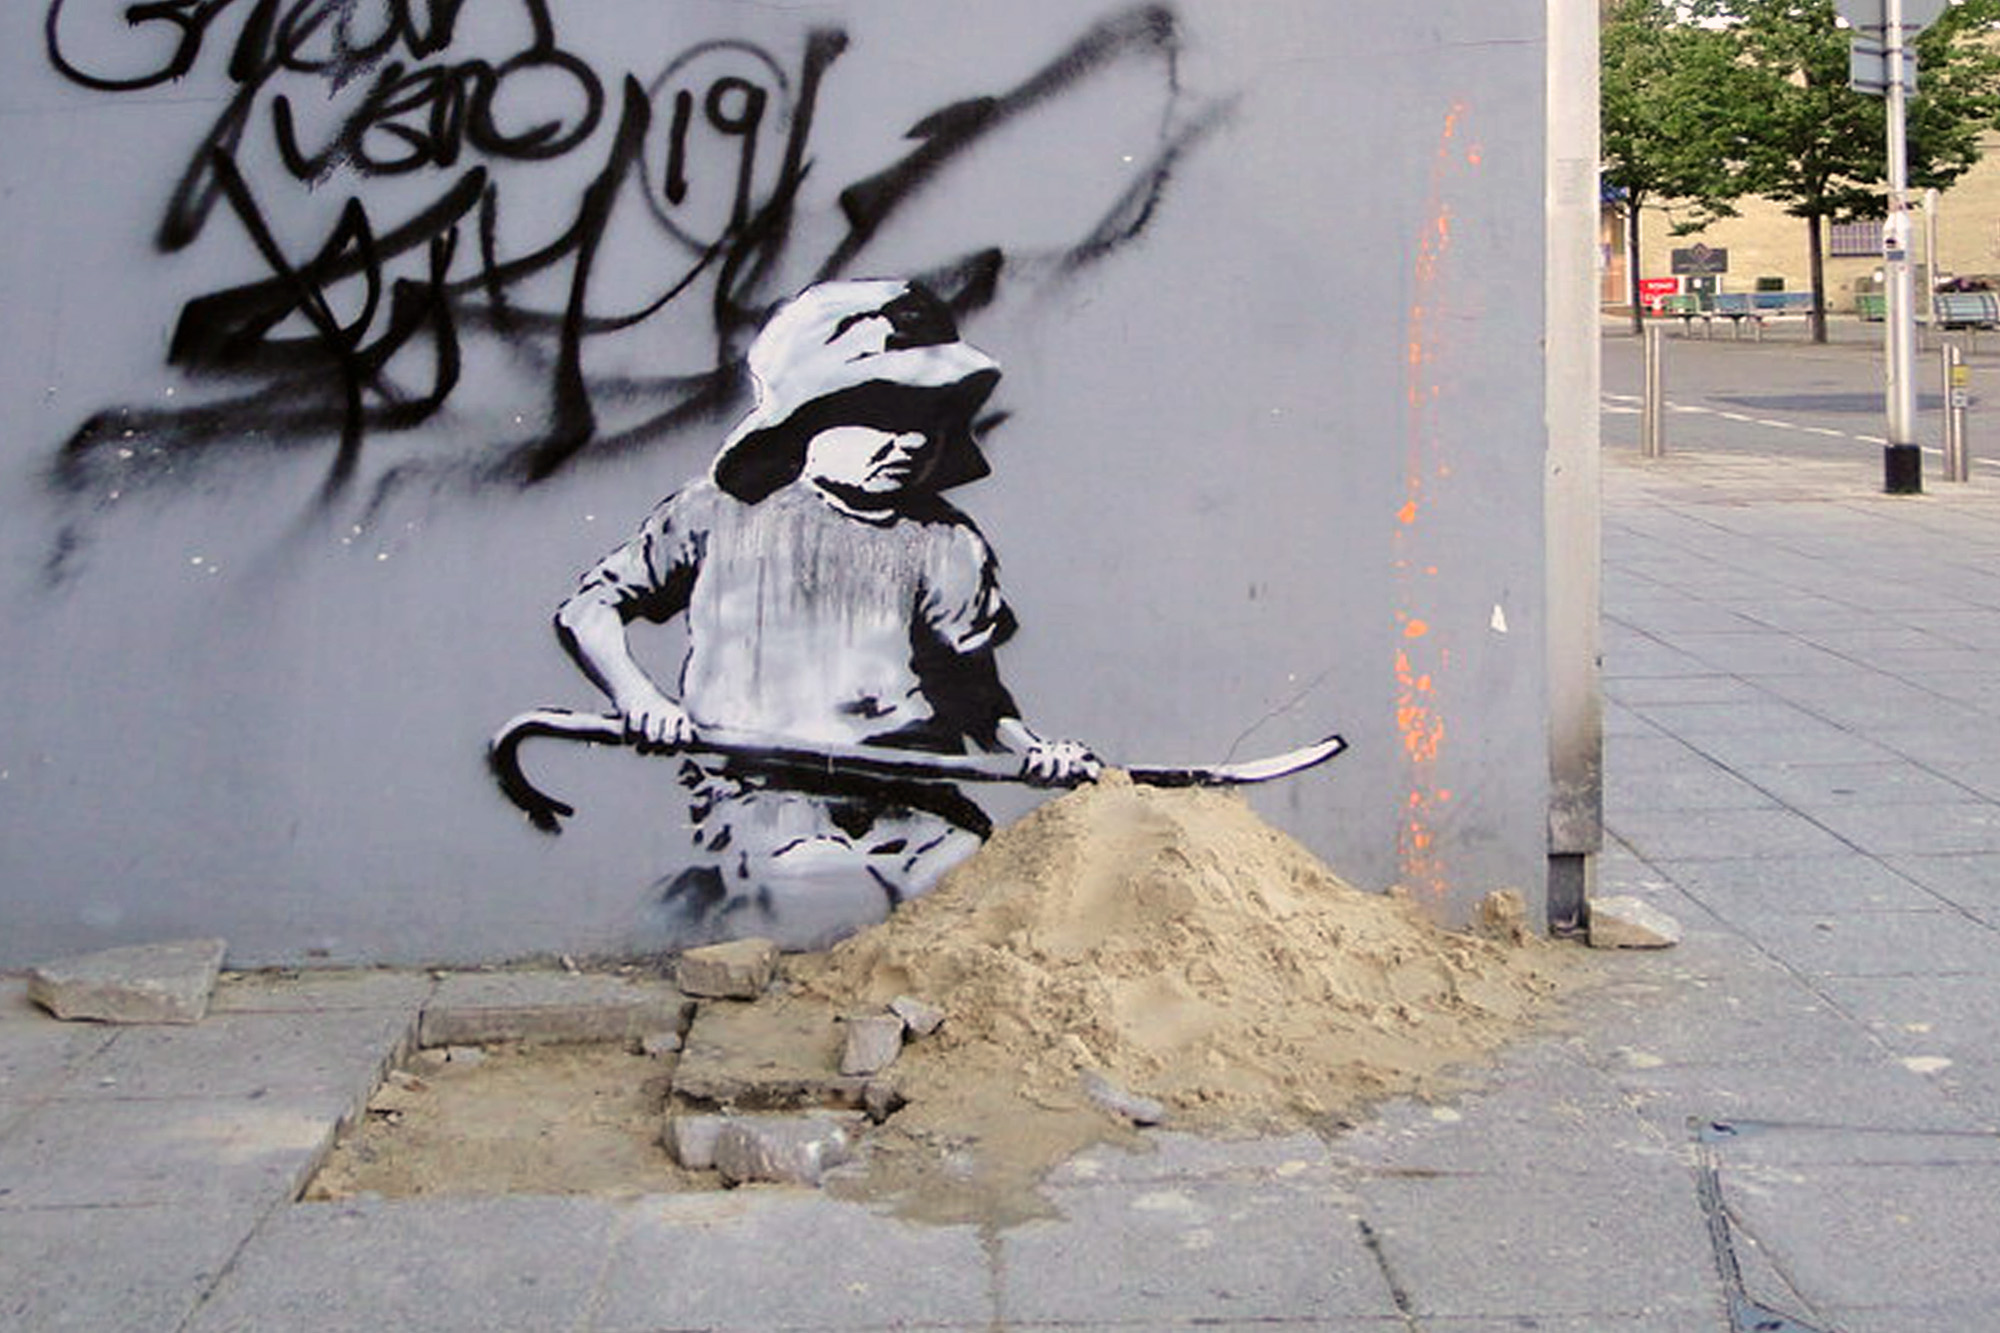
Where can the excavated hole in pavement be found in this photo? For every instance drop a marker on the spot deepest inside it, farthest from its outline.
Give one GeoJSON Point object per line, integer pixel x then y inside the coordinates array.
{"type": "Point", "coordinates": [512, 1118]}
{"type": "Point", "coordinates": [559, 1116]}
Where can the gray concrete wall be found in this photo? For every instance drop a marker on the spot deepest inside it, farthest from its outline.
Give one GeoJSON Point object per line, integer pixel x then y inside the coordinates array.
{"type": "Point", "coordinates": [1267, 290]}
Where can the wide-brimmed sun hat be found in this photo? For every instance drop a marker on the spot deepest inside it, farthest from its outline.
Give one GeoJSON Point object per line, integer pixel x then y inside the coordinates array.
{"type": "Point", "coordinates": [874, 352]}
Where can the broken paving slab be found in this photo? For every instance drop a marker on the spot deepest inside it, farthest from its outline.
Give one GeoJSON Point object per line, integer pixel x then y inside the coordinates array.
{"type": "Point", "coordinates": [691, 1140]}
{"type": "Point", "coordinates": [143, 983]}
{"type": "Point", "coordinates": [1122, 1102]}
{"type": "Point", "coordinates": [734, 970]}
{"type": "Point", "coordinates": [790, 1151]}
{"type": "Point", "coordinates": [920, 1016]}
{"type": "Point", "coordinates": [1631, 923]}
{"type": "Point", "coordinates": [776, 1055]}
{"type": "Point", "coordinates": [481, 1008]}
{"type": "Point", "coordinates": [873, 1043]}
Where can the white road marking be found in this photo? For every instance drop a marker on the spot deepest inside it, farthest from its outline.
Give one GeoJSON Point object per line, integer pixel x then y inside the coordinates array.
{"type": "Point", "coordinates": [1624, 404]}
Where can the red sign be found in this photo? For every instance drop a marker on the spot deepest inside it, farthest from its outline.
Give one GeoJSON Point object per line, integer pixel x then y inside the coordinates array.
{"type": "Point", "coordinates": [1652, 291]}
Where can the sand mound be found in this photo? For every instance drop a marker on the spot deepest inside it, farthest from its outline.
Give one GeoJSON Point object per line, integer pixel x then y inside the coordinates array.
{"type": "Point", "coordinates": [1187, 951]}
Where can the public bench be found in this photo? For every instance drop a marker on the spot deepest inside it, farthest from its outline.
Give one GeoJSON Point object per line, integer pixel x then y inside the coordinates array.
{"type": "Point", "coordinates": [1754, 308]}
{"type": "Point", "coordinates": [1965, 310]}
{"type": "Point", "coordinates": [1686, 307]}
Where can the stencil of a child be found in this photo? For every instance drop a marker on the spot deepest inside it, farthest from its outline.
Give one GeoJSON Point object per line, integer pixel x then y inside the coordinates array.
{"type": "Point", "coordinates": [831, 596]}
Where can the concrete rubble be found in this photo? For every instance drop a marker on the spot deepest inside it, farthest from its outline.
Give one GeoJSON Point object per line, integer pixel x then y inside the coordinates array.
{"type": "Point", "coordinates": [797, 1150]}
{"type": "Point", "coordinates": [691, 1139]}
{"type": "Point", "coordinates": [1626, 922]}
{"type": "Point", "coordinates": [873, 1043]}
{"type": "Point", "coordinates": [737, 970]}
{"type": "Point", "coordinates": [659, 1045]}
{"type": "Point", "coordinates": [1119, 1101]}
{"type": "Point", "coordinates": [920, 1016]}
{"type": "Point", "coordinates": [144, 983]}
{"type": "Point", "coordinates": [765, 1057]}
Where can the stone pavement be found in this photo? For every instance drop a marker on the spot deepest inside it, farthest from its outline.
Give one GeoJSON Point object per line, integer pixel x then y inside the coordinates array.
{"type": "Point", "coordinates": [1787, 1123]}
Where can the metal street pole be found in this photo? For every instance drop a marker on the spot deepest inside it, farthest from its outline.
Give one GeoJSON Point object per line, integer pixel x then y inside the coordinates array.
{"type": "Point", "coordinates": [1653, 405]}
{"type": "Point", "coordinates": [1932, 273]}
{"type": "Point", "coordinates": [1902, 460]}
{"type": "Point", "coordinates": [1957, 393]}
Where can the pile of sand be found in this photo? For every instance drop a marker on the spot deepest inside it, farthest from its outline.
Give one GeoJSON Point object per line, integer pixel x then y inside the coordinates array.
{"type": "Point", "coordinates": [1176, 944]}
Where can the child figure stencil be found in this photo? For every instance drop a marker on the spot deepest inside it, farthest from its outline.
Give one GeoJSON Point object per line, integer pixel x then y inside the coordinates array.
{"type": "Point", "coordinates": [832, 597]}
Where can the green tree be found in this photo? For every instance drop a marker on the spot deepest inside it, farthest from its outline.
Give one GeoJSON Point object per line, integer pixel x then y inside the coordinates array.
{"type": "Point", "coordinates": [1665, 85]}
{"type": "Point", "coordinates": [1807, 141]}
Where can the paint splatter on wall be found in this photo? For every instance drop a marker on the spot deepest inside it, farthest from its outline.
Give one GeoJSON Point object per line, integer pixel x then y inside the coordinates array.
{"type": "Point", "coordinates": [1423, 647]}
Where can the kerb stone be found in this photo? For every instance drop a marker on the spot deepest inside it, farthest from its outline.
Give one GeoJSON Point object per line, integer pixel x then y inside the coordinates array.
{"type": "Point", "coordinates": [478, 1008]}
{"type": "Point", "coordinates": [143, 983]}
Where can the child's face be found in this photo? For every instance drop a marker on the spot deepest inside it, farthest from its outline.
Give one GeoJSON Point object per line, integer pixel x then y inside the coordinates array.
{"type": "Point", "coordinates": [867, 462]}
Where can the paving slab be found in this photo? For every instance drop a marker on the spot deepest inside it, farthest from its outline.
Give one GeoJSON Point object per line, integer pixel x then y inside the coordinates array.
{"type": "Point", "coordinates": [1824, 744]}
{"type": "Point", "coordinates": [1546, 1111]}
{"type": "Point", "coordinates": [1158, 1251]}
{"type": "Point", "coordinates": [1982, 774]}
{"type": "Point", "coordinates": [1968, 1317]}
{"type": "Point", "coordinates": [522, 1265]}
{"type": "Point", "coordinates": [762, 1260]}
{"type": "Point", "coordinates": [1629, 1244]}
{"type": "Point", "coordinates": [112, 1270]}
{"type": "Point", "coordinates": [1917, 830]}
{"type": "Point", "coordinates": [1749, 1145]}
{"type": "Point", "coordinates": [94, 1153]}
{"type": "Point", "coordinates": [1872, 1096]}
{"type": "Point", "coordinates": [1696, 720]}
{"type": "Point", "coordinates": [1809, 884]}
{"type": "Point", "coordinates": [1315, 1323]}
{"type": "Point", "coordinates": [1931, 942]}
{"type": "Point", "coordinates": [1851, 1235]}
{"type": "Point", "coordinates": [1811, 787]}
{"type": "Point", "coordinates": [1702, 787]}
{"type": "Point", "coordinates": [1873, 706]}
{"type": "Point", "coordinates": [39, 1056]}
{"type": "Point", "coordinates": [167, 982]}
{"type": "Point", "coordinates": [1720, 687]}
{"type": "Point", "coordinates": [1651, 1321]}
{"type": "Point", "coordinates": [1158, 1156]}
{"type": "Point", "coordinates": [1639, 656]}
{"type": "Point", "coordinates": [1719, 835]}
{"type": "Point", "coordinates": [1646, 755]}
{"type": "Point", "coordinates": [1710, 1022]}
{"type": "Point", "coordinates": [1974, 1085]}
{"type": "Point", "coordinates": [1760, 654]}
{"type": "Point", "coordinates": [328, 1061]}
{"type": "Point", "coordinates": [1969, 882]}
{"type": "Point", "coordinates": [1923, 1015]}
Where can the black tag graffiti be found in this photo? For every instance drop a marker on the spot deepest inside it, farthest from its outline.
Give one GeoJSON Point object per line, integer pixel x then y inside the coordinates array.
{"type": "Point", "coordinates": [360, 326]}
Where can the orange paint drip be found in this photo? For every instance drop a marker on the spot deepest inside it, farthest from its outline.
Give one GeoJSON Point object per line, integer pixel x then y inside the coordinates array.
{"type": "Point", "coordinates": [1423, 655]}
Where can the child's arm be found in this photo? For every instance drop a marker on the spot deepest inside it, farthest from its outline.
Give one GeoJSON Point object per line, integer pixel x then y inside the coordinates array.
{"type": "Point", "coordinates": [1047, 763]}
